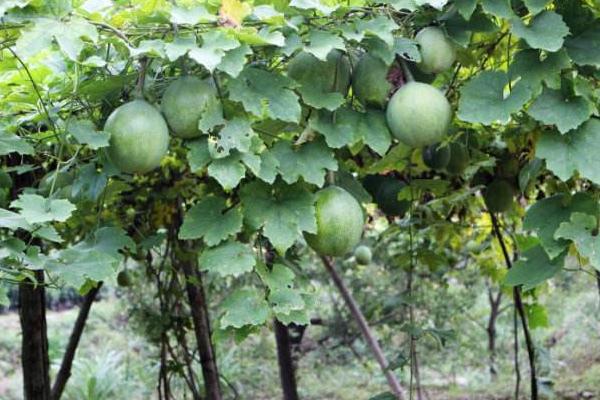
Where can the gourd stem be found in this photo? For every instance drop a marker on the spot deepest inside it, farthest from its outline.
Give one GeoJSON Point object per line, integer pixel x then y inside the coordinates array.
{"type": "Point", "coordinates": [408, 76]}
{"type": "Point", "coordinates": [139, 87]}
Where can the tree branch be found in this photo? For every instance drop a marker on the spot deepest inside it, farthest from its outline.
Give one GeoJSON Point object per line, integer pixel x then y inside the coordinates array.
{"type": "Point", "coordinates": [365, 329]}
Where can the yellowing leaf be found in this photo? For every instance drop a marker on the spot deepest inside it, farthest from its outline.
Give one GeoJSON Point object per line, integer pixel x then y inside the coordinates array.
{"type": "Point", "coordinates": [233, 12]}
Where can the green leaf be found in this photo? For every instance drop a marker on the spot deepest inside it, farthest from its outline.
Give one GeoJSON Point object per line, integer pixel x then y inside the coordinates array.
{"type": "Point", "coordinates": [67, 34]}
{"type": "Point", "coordinates": [245, 306]}
{"type": "Point", "coordinates": [75, 267]}
{"type": "Point", "coordinates": [583, 48]}
{"type": "Point", "coordinates": [347, 127]}
{"type": "Point", "coordinates": [312, 5]}
{"type": "Point", "coordinates": [154, 48]}
{"type": "Point", "coordinates": [192, 16]}
{"type": "Point", "coordinates": [234, 60]}
{"type": "Point", "coordinates": [533, 268]}
{"type": "Point", "coordinates": [322, 43]}
{"type": "Point", "coordinates": [228, 259]}
{"type": "Point", "coordinates": [465, 7]}
{"type": "Point", "coordinates": [47, 233]}
{"type": "Point", "coordinates": [537, 316]}
{"type": "Point", "coordinates": [237, 134]}
{"type": "Point", "coordinates": [483, 98]}
{"type": "Point", "coordinates": [13, 221]}
{"type": "Point", "coordinates": [228, 171]}
{"type": "Point", "coordinates": [535, 6]}
{"type": "Point", "coordinates": [14, 144]}
{"type": "Point", "coordinates": [214, 45]}
{"type": "Point", "coordinates": [575, 152]}
{"type": "Point", "coordinates": [265, 93]}
{"type": "Point", "coordinates": [209, 220]}
{"type": "Point", "coordinates": [180, 46]}
{"type": "Point", "coordinates": [109, 240]}
{"type": "Point", "coordinates": [552, 107]}
{"type": "Point", "coordinates": [545, 216]}
{"type": "Point", "coordinates": [535, 68]}
{"type": "Point", "coordinates": [37, 209]}
{"type": "Point", "coordinates": [499, 8]}
{"type": "Point", "coordinates": [198, 155]}
{"type": "Point", "coordinates": [546, 31]}
{"type": "Point", "coordinates": [310, 161]}
{"type": "Point", "coordinates": [381, 27]}
{"type": "Point", "coordinates": [283, 214]}
{"type": "Point", "coordinates": [85, 132]}
{"type": "Point", "coordinates": [581, 229]}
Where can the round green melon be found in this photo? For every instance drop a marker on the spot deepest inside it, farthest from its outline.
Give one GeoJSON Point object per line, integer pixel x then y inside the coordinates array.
{"type": "Point", "coordinates": [508, 167]}
{"type": "Point", "coordinates": [418, 114]}
{"type": "Point", "coordinates": [363, 255]}
{"type": "Point", "coordinates": [139, 137]}
{"type": "Point", "coordinates": [369, 81]}
{"type": "Point", "coordinates": [332, 75]}
{"type": "Point", "coordinates": [62, 184]}
{"type": "Point", "coordinates": [387, 198]}
{"type": "Point", "coordinates": [436, 157]}
{"type": "Point", "coordinates": [340, 222]}
{"type": "Point", "coordinates": [372, 183]}
{"type": "Point", "coordinates": [437, 51]}
{"type": "Point", "coordinates": [124, 279]}
{"type": "Point", "coordinates": [459, 159]}
{"type": "Point", "coordinates": [498, 196]}
{"type": "Point", "coordinates": [183, 103]}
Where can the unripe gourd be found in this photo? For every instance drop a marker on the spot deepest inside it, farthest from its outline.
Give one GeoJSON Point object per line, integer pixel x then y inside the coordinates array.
{"type": "Point", "coordinates": [437, 51]}
{"type": "Point", "coordinates": [363, 255]}
{"type": "Point", "coordinates": [436, 157]}
{"type": "Point", "coordinates": [418, 114]}
{"type": "Point", "coordinates": [498, 196]}
{"type": "Point", "coordinates": [459, 159]}
{"type": "Point", "coordinates": [331, 75]}
{"type": "Point", "coordinates": [369, 81]}
{"type": "Point", "coordinates": [139, 137]}
{"type": "Point", "coordinates": [340, 222]}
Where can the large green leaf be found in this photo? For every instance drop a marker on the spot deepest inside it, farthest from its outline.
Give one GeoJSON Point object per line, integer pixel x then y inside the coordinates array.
{"type": "Point", "coordinates": [545, 216]}
{"type": "Point", "coordinates": [483, 98]}
{"type": "Point", "coordinates": [283, 213]}
{"type": "Point", "coordinates": [265, 93]}
{"type": "Point", "coordinates": [546, 31]}
{"type": "Point", "coordinates": [214, 45]}
{"type": "Point", "coordinates": [322, 43]}
{"type": "Point", "coordinates": [582, 230]}
{"type": "Point", "coordinates": [535, 67]}
{"type": "Point", "coordinates": [533, 268]}
{"type": "Point", "coordinates": [14, 144]}
{"type": "Point", "coordinates": [245, 306]}
{"type": "Point", "coordinates": [575, 152]}
{"type": "Point", "coordinates": [583, 48]}
{"type": "Point", "coordinates": [228, 259]}
{"type": "Point", "coordinates": [37, 209]}
{"type": "Point", "coordinates": [552, 107]}
{"type": "Point", "coordinates": [210, 220]}
{"type": "Point", "coordinates": [85, 132]}
{"type": "Point", "coordinates": [310, 161]}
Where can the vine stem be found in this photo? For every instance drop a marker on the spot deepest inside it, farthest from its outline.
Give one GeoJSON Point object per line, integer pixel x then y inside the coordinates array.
{"type": "Point", "coordinates": [406, 71]}
{"type": "Point", "coordinates": [520, 309]}
{"type": "Point", "coordinates": [365, 329]}
{"type": "Point", "coordinates": [139, 87]}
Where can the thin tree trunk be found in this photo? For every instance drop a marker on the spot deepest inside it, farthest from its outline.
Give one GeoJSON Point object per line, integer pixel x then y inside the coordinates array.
{"type": "Point", "coordinates": [598, 283]}
{"type": "Point", "coordinates": [67, 362]}
{"type": "Point", "coordinates": [414, 361]}
{"type": "Point", "coordinates": [516, 354]}
{"type": "Point", "coordinates": [393, 383]}
{"type": "Point", "coordinates": [286, 364]}
{"type": "Point", "coordinates": [34, 341]}
{"type": "Point", "coordinates": [491, 329]}
{"type": "Point", "coordinates": [200, 319]}
{"type": "Point", "coordinates": [521, 311]}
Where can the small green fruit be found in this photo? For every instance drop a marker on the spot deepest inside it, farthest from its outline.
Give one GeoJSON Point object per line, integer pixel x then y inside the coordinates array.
{"type": "Point", "coordinates": [363, 255]}
{"type": "Point", "coordinates": [372, 183]}
{"type": "Point", "coordinates": [183, 103]}
{"type": "Point", "coordinates": [419, 115]}
{"type": "Point", "coordinates": [498, 196]}
{"type": "Point", "coordinates": [331, 75]}
{"type": "Point", "coordinates": [340, 222]}
{"type": "Point", "coordinates": [387, 198]}
{"type": "Point", "coordinates": [437, 51]}
{"type": "Point", "coordinates": [370, 83]}
{"type": "Point", "coordinates": [508, 167]}
{"type": "Point", "coordinates": [459, 159]}
{"type": "Point", "coordinates": [436, 157]}
{"type": "Point", "coordinates": [139, 137]}
{"type": "Point", "coordinates": [124, 279]}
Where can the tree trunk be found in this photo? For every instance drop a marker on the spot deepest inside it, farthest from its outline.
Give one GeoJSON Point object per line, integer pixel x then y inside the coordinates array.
{"type": "Point", "coordinates": [67, 362]}
{"type": "Point", "coordinates": [286, 364]}
{"type": "Point", "coordinates": [34, 341]}
{"type": "Point", "coordinates": [200, 319]}
{"type": "Point", "coordinates": [393, 383]}
{"type": "Point", "coordinates": [491, 330]}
